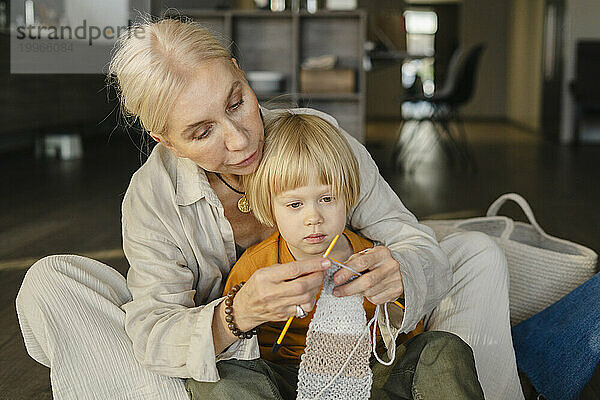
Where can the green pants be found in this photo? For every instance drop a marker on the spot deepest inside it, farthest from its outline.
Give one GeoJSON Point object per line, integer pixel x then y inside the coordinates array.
{"type": "Point", "coordinates": [432, 365]}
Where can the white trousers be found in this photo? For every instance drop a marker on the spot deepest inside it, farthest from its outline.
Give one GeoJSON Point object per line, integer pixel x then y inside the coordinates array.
{"type": "Point", "coordinates": [70, 316]}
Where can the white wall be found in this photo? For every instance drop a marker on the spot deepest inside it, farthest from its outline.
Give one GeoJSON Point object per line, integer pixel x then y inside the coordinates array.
{"type": "Point", "coordinates": [104, 13]}
{"type": "Point", "coordinates": [582, 22]}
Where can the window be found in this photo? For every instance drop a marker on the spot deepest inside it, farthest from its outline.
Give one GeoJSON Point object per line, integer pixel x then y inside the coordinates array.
{"type": "Point", "coordinates": [421, 27]}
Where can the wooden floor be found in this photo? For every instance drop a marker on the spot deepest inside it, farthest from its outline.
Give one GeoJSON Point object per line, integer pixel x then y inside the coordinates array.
{"type": "Point", "coordinates": [51, 207]}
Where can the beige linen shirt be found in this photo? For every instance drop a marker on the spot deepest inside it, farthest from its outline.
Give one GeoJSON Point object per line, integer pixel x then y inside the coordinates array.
{"type": "Point", "coordinates": [180, 248]}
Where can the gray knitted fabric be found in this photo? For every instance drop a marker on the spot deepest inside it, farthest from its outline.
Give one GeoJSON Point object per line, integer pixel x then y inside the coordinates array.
{"type": "Point", "coordinates": [335, 363]}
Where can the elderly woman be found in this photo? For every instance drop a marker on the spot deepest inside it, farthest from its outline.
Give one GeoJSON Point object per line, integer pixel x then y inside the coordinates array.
{"type": "Point", "coordinates": [185, 221]}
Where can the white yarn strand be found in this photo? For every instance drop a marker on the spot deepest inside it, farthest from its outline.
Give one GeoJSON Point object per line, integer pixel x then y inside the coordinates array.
{"type": "Point", "coordinates": [389, 329]}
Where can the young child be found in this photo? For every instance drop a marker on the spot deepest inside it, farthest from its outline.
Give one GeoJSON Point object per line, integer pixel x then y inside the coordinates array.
{"type": "Point", "coordinates": [306, 183]}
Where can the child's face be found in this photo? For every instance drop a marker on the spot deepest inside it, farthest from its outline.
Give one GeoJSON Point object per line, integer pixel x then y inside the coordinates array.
{"type": "Point", "coordinates": [308, 218]}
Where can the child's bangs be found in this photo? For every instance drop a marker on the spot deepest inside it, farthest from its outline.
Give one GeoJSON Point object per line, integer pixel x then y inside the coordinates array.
{"type": "Point", "coordinates": [298, 163]}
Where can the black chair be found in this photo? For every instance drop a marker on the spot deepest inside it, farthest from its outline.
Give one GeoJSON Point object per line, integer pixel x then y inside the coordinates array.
{"type": "Point", "coordinates": [442, 111]}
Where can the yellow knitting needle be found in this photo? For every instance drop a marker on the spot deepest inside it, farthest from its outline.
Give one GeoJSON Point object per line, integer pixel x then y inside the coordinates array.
{"type": "Point", "coordinates": [339, 264]}
{"type": "Point", "coordinates": [277, 344]}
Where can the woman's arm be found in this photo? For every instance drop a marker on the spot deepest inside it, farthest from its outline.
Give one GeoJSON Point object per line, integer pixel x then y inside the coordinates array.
{"type": "Point", "coordinates": [173, 238]}
{"type": "Point", "coordinates": [170, 334]}
{"type": "Point", "coordinates": [173, 336]}
{"type": "Point", "coordinates": [175, 283]}
{"type": "Point", "coordinates": [380, 215]}
{"type": "Point", "coordinates": [222, 335]}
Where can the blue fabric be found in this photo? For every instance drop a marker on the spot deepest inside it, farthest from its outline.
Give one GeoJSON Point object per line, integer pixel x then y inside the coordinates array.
{"type": "Point", "coordinates": [559, 348]}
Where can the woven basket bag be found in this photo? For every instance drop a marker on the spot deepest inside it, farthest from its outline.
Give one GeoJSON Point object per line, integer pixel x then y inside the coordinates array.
{"type": "Point", "coordinates": [542, 268]}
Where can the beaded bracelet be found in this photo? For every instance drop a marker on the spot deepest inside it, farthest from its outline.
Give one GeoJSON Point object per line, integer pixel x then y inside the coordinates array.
{"type": "Point", "coordinates": [229, 314]}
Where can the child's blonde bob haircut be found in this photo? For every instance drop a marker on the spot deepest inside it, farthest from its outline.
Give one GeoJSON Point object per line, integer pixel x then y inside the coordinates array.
{"type": "Point", "coordinates": [296, 146]}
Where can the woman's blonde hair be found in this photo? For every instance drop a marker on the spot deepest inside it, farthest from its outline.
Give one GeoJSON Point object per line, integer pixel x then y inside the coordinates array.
{"type": "Point", "coordinates": [297, 145]}
{"type": "Point", "coordinates": [153, 62]}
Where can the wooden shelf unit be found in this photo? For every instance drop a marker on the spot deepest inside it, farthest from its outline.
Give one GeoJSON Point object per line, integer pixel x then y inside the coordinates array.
{"type": "Point", "coordinates": [281, 41]}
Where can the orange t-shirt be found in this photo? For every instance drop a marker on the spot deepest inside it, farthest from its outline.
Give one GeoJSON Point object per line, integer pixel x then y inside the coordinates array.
{"type": "Point", "coordinates": [274, 250]}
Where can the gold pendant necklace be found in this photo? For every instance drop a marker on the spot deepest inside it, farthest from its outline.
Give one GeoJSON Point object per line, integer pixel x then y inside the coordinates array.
{"type": "Point", "coordinates": [243, 203]}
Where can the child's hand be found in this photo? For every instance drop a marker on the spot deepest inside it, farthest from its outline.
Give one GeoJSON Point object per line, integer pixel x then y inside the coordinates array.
{"type": "Point", "coordinates": [381, 281]}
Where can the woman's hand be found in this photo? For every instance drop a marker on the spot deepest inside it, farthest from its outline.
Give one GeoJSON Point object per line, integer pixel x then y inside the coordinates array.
{"type": "Point", "coordinates": [381, 281]}
{"type": "Point", "coordinates": [272, 293]}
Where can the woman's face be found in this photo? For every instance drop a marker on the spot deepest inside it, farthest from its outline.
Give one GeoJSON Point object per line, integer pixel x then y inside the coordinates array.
{"type": "Point", "coordinates": [216, 121]}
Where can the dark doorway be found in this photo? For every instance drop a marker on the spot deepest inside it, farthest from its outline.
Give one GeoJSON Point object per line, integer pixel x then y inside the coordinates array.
{"type": "Point", "coordinates": [552, 69]}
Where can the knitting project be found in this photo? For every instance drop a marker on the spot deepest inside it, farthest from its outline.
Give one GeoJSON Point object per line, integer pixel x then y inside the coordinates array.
{"type": "Point", "coordinates": [335, 363]}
